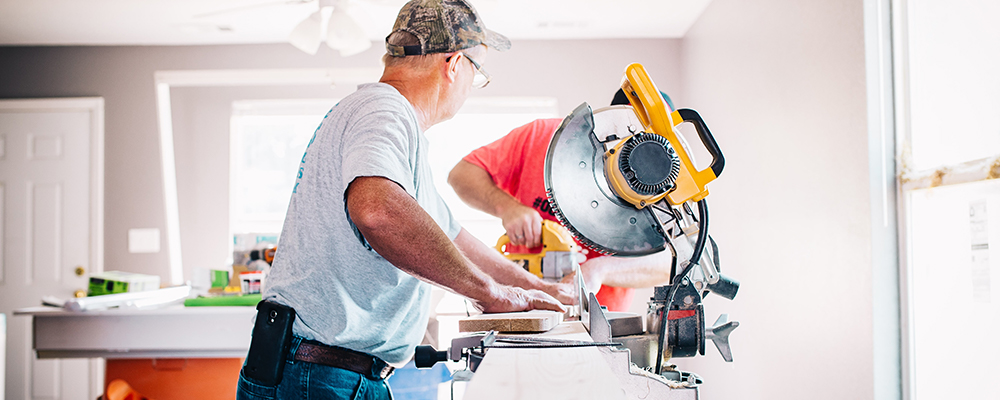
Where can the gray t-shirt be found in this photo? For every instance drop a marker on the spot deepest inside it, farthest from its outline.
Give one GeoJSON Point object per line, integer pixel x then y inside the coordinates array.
{"type": "Point", "coordinates": [344, 293]}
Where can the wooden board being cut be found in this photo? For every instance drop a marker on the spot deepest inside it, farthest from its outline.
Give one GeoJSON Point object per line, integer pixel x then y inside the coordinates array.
{"type": "Point", "coordinates": [530, 321]}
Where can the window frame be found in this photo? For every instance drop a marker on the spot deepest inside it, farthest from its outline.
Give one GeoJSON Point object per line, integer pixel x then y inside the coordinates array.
{"type": "Point", "coordinates": [908, 180]}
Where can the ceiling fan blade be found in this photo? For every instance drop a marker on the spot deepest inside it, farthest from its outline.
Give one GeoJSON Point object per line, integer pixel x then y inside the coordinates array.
{"type": "Point", "coordinates": [306, 35]}
{"type": "Point", "coordinates": [247, 7]}
{"type": "Point", "coordinates": [343, 33]}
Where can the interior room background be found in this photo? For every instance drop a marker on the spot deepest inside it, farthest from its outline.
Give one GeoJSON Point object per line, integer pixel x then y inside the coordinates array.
{"type": "Point", "coordinates": [783, 85]}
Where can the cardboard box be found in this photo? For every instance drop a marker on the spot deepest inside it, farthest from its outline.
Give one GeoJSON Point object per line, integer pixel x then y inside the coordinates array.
{"type": "Point", "coordinates": [111, 282]}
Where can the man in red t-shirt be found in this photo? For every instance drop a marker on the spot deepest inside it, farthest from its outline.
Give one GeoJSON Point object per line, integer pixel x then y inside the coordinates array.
{"type": "Point", "coordinates": [506, 179]}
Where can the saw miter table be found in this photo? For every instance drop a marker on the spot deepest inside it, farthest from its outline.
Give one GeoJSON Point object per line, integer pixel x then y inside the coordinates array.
{"type": "Point", "coordinates": [622, 180]}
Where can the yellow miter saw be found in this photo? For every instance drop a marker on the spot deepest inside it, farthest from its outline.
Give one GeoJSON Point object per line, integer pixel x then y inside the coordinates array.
{"type": "Point", "coordinates": [557, 257]}
{"type": "Point", "coordinates": [624, 184]}
{"type": "Point", "coordinates": [623, 181]}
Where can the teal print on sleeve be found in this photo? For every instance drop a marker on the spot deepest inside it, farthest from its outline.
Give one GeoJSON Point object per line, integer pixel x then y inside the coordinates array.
{"type": "Point", "coordinates": [303, 163]}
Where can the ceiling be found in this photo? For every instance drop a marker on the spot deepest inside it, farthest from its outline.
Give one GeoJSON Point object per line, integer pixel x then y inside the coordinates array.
{"type": "Point", "coordinates": [187, 22]}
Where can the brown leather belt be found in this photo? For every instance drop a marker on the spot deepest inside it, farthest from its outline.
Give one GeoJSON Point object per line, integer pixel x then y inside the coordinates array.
{"type": "Point", "coordinates": [337, 357]}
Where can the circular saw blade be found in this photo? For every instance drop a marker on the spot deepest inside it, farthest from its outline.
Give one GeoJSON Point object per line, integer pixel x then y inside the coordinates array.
{"type": "Point", "coordinates": [578, 189]}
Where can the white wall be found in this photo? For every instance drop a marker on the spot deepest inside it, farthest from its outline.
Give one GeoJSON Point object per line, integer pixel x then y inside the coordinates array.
{"type": "Point", "coordinates": [782, 85]}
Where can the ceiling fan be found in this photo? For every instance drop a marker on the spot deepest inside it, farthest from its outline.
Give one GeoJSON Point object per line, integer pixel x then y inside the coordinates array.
{"type": "Point", "coordinates": [331, 22]}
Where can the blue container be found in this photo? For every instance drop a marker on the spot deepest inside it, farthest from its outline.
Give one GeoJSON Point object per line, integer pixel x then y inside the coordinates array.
{"type": "Point", "coordinates": [412, 383]}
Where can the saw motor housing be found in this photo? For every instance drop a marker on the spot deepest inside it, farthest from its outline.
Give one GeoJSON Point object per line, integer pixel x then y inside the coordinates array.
{"type": "Point", "coordinates": [647, 166]}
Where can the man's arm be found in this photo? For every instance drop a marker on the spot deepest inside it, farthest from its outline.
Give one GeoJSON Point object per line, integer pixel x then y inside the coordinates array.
{"type": "Point", "coordinates": [476, 188]}
{"type": "Point", "coordinates": [628, 272]}
{"type": "Point", "coordinates": [406, 236]}
{"type": "Point", "coordinates": [509, 273]}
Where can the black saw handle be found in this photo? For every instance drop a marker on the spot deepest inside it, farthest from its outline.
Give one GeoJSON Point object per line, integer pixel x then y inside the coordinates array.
{"type": "Point", "coordinates": [718, 160]}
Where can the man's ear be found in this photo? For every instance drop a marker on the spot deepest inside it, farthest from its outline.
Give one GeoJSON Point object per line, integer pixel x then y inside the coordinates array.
{"type": "Point", "coordinates": [452, 67]}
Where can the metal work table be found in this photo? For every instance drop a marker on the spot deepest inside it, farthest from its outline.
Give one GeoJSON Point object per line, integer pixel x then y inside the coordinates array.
{"type": "Point", "coordinates": [171, 332]}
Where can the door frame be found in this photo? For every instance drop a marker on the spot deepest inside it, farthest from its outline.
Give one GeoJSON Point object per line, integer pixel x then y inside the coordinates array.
{"type": "Point", "coordinates": [95, 107]}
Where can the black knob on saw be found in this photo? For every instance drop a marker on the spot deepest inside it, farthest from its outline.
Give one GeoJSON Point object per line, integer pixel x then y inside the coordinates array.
{"type": "Point", "coordinates": [427, 356]}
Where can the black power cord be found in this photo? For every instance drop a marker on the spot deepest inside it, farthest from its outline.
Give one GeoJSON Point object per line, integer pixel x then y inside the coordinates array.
{"type": "Point", "coordinates": [699, 246]}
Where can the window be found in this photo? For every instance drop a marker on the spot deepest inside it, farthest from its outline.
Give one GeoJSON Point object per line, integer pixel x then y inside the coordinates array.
{"type": "Point", "coordinates": [267, 140]}
{"type": "Point", "coordinates": [947, 120]}
{"type": "Point", "coordinates": [953, 56]}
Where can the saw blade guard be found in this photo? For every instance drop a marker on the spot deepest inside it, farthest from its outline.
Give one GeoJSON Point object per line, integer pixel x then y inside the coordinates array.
{"type": "Point", "coordinates": [580, 195]}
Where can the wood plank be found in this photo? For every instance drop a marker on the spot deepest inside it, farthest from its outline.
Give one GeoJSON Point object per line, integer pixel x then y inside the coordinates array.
{"type": "Point", "coordinates": [530, 321]}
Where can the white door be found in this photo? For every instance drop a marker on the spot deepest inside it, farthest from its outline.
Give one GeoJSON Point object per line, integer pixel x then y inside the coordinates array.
{"type": "Point", "coordinates": [51, 213]}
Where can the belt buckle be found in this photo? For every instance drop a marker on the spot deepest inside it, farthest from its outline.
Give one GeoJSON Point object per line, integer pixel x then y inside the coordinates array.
{"type": "Point", "coordinates": [386, 371]}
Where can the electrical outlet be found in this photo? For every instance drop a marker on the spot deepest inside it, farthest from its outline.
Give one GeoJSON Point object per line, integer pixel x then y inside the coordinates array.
{"type": "Point", "coordinates": [144, 240]}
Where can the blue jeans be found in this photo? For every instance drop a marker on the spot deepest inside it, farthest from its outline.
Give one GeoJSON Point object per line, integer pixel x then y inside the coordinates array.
{"type": "Point", "coordinates": [303, 380]}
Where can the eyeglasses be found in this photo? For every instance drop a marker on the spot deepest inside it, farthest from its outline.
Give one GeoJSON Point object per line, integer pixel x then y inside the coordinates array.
{"type": "Point", "coordinates": [482, 78]}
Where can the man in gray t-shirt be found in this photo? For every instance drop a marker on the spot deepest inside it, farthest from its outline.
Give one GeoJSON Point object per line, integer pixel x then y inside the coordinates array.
{"type": "Point", "coordinates": [366, 230]}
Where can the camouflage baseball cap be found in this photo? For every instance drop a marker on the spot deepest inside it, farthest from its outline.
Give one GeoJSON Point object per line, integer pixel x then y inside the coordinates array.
{"type": "Point", "coordinates": [442, 26]}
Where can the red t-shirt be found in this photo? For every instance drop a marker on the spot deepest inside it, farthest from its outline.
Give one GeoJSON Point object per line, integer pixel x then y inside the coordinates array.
{"type": "Point", "coordinates": [516, 162]}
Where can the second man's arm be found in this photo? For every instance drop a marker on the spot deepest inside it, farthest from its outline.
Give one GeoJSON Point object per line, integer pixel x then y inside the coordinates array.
{"type": "Point", "coordinates": [476, 188]}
